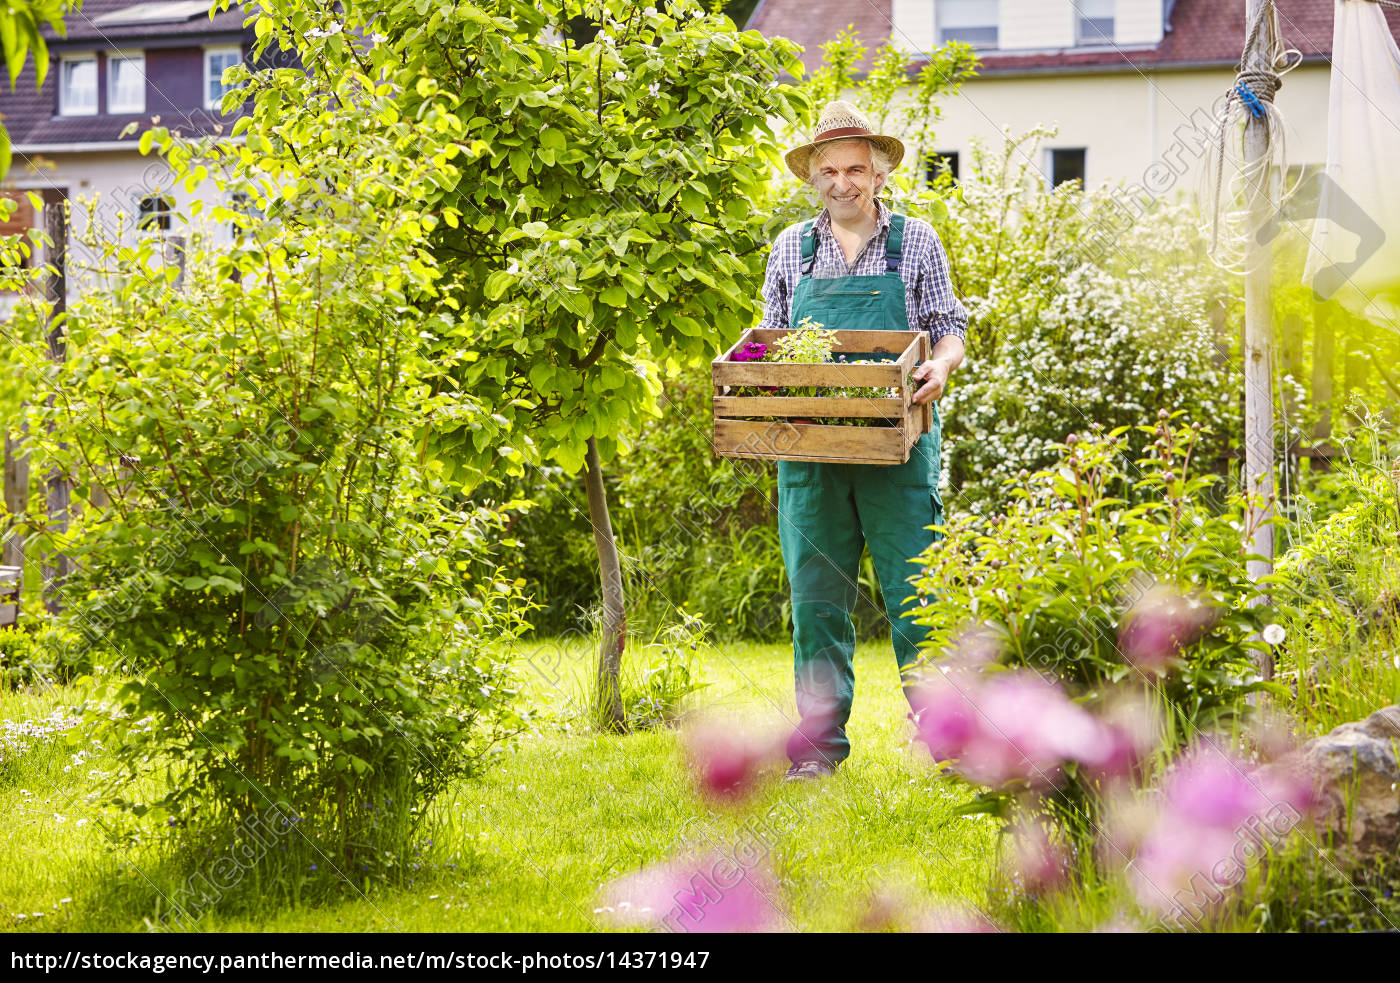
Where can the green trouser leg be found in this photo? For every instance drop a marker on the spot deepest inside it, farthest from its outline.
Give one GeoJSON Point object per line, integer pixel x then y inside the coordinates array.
{"type": "Point", "coordinates": [826, 514]}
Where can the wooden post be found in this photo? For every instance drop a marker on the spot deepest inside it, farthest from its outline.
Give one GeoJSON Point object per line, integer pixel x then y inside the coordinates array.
{"type": "Point", "coordinates": [16, 501]}
{"type": "Point", "coordinates": [59, 494]}
{"type": "Point", "coordinates": [1259, 317]}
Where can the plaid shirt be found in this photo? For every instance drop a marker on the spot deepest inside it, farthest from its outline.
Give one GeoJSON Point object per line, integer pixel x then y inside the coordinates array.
{"type": "Point", "coordinates": [928, 292]}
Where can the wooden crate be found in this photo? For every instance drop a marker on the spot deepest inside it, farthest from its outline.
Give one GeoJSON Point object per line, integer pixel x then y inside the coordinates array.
{"type": "Point", "coordinates": [742, 431]}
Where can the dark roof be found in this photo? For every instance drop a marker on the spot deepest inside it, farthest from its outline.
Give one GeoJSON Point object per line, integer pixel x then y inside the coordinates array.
{"type": "Point", "coordinates": [93, 22]}
{"type": "Point", "coordinates": [29, 113]}
{"type": "Point", "coordinates": [1200, 33]}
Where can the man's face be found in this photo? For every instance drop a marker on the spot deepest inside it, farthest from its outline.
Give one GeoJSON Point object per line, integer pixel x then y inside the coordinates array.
{"type": "Point", "coordinates": [845, 177]}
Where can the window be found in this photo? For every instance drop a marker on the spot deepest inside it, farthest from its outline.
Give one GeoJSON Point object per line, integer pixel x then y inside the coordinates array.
{"type": "Point", "coordinates": [1067, 165]}
{"type": "Point", "coordinates": [973, 21]}
{"type": "Point", "coordinates": [153, 214]}
{"type": "Point", "coordinates": [939, 162]}
{"type": "Point", "coordinates": [126, 83]}
{"type": "Point", "coordinates": [1095, 21]}
{"type": "Point", "coordinates": [215, 61]}
{"type": "Point", "coordinates": [77, 85]}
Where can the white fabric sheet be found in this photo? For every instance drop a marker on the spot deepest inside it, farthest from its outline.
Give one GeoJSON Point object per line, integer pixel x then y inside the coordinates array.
{"type": "Point", "coordinates": [1356, 243]}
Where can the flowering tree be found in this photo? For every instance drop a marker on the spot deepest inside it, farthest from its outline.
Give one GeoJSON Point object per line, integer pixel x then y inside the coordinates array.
{"type": "Point", "coordinates": [595, 209]}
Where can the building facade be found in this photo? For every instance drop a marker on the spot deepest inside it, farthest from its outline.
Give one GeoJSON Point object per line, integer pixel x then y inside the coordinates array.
{"type": "Point", "coordinates": [120, 66]}
{"type": "Point", "coordinates": [1132, 86]}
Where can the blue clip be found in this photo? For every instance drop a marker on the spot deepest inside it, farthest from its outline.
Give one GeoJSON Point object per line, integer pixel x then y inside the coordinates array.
{"type": "Point", "coordinates": [1256, 108]}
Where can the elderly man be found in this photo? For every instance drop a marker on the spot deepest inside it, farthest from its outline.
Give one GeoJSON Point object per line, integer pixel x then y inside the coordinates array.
{"type": "Point", "coordinates": [855, 266]}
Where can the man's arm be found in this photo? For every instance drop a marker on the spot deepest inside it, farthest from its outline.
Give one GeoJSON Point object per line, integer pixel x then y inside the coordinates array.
{"type": "Point", "coordinates": [943, 316]}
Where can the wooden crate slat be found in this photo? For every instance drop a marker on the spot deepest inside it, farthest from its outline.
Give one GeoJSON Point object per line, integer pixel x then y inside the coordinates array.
{"type": "Point", "coordinates": [880, 342]}
{"type": "Point", "coordinates": [811, 442]}
{"type": "Point", "coordinates": [802, 406]}
{"type": "Point", "coordinates": [826, 375]}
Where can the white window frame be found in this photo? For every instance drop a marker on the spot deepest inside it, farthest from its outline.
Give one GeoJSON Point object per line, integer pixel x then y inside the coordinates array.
{"type": "Point", "coordinates": [1092, 39]}
{"type": "Point", "coordinates": [64, 109]}
{"type": "Point", "coordinates": [168, 197]}
{"type": "Point", "coordinates": [938, 26]}
{"type": "Point", "coordinates": [209, 79]}
{"type": "Point", "coordinates": [112, 58]}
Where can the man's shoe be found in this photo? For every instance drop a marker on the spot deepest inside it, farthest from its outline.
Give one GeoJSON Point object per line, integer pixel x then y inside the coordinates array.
{"type": "Point", "coordinates": [805, 771]}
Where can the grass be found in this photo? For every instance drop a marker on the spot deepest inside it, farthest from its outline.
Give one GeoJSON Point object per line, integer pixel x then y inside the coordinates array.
{"type": "Point", "coordinates": [528, 846]}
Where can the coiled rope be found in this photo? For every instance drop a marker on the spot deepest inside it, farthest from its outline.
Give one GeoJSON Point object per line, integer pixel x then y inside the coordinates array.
{"type": "Point", "coordinates": [1251, 98]}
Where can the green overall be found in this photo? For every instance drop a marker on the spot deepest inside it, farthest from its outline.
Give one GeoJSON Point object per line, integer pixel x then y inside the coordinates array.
{"type": "Point", "coordinates": [828, 512]}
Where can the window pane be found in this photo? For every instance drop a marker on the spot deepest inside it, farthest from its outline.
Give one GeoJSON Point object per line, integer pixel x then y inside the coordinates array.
{"type": "Point", "coordinates": [154, 214]}
{"type": "Point", "coordinates": [1067, 165]}
{"type": "Point", "coordinates": [972, 21]}
{"type": "Point", "coordinates": [1096, 30]}
{"type": "Point", "coordinates": [126, 85]}
{"type": "Point", "coordinates": [216, 62]}
{"type": "Point", "coordinates": [80, 85]}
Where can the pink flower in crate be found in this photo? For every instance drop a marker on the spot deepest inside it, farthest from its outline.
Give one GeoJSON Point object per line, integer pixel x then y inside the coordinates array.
{"type": "Point", "coordinates": [1160, 625]}
{"type": "Point", "coordinates": [752, 351]}
{"type": "Point", "coordinates": [715, 893]}
{"type": "Point", "coordinates": [726, 756]}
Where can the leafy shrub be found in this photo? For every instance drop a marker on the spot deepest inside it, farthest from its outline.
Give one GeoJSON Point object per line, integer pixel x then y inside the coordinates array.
{"type": "Point", "coordinates": [1057, 578]}
{"type": "Point", "coordinates": [1066, 332]}
{"type": "Point", "coordinates": [654, 696]}
{"type": "Point", "coordinates": [292, 594]}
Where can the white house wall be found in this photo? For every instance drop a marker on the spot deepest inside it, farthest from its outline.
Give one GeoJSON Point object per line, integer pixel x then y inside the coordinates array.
{"type": "Point", "coordinates": [1138, 22]}
{"type": "Point", "coordinates": [1036, 24]}
{"type": "Point", "coordinates": [1127, 122]}
{"type": "Point", "coordinates": [102, 184]}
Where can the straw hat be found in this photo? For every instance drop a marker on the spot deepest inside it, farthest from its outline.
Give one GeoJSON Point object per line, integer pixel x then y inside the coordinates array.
{"type": "Point", "coordinates": [840, 121]}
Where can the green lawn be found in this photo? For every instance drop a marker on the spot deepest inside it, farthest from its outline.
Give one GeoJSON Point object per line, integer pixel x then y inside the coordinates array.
{"type": "Point", "coordinates": [527, 846]}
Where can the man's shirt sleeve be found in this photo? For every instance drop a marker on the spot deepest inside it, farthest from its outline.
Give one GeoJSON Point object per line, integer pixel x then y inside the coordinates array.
{"type": "Point", "coordinates": [940, 313]}
{"type": "Point", "coordinates": [777, 296]}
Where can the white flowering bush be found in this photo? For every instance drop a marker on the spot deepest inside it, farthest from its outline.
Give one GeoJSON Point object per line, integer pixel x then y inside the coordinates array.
{"type": "Point", "coordinates": [1070, 328]}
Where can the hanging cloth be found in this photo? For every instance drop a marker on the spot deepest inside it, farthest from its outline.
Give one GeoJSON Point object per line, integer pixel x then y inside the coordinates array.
{"type": "Point", "coordinates": [1355, 254]}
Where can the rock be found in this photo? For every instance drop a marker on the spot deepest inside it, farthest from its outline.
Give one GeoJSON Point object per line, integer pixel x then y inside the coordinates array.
{"type": "Point", "coordinates": [1358, 770]}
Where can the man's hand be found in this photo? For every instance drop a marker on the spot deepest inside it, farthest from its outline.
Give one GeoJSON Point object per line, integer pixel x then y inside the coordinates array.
{"type": "Point", "coordinates": [934, 376]}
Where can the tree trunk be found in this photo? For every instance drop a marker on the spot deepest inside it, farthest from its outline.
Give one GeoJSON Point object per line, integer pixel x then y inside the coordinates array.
{"type": "Point", "coordinates": [609, 693]}
{"type": "Point", "coordinates": [56, 566]}
{"type": "Point", "coordinates": [1324, 368]}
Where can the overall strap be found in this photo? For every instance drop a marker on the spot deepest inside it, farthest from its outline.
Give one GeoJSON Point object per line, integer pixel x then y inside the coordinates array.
{"type": "Point", "coordinates": [894, 245]}
{"type": "Point", "coordinates": [809, 247]}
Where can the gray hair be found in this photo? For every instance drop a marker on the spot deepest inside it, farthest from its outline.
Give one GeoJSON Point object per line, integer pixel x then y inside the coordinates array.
{"type": "Point", "coordinates": [879, 160]}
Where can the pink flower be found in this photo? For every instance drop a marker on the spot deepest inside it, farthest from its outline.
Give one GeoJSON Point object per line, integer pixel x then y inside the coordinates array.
{"type": "Point", "coordinates": [752, 351]}
{"type": "Point", "coordinates": [1160, 625]}
{"type": "Point", "coordinates": [1035, 863]}
{"type": "Point", "coordinates": [1026, 728]}
{"type": "Point", "coordinates": [715, 893]}
{"type": "Point", "coordinates": [726, 757]}
{"type": "Point", "coordinates": [945, 714]}
{"type": "Point", "coordinates": [1216, 821]}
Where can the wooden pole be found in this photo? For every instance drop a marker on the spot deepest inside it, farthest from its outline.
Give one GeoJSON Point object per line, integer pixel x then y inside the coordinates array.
{"type": "Point", "coordinates": [1259, 315]}
{"type": "Point", "coordinates": [56, 566]}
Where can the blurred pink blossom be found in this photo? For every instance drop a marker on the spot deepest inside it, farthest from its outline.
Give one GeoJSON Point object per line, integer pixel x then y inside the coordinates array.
{"type": "Point", "coordinates": [1216, 819]}
{"type": "Point", "coordinates": [711, 894]}
{"type": "Point", "coordinates": [726, 756]}
{"type": "Point", "coordinates": [1026, 728]}
{"type": "Point", "coordinates": [1035, 863]}
{"type": "Point", "coordinates": [1160, 625]}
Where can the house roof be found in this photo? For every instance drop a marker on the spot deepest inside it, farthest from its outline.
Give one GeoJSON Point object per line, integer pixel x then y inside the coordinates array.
{"type": "Point", "coordinates": [1200, 33]}
{"type": "Point", "coordinates": [29, 113]}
